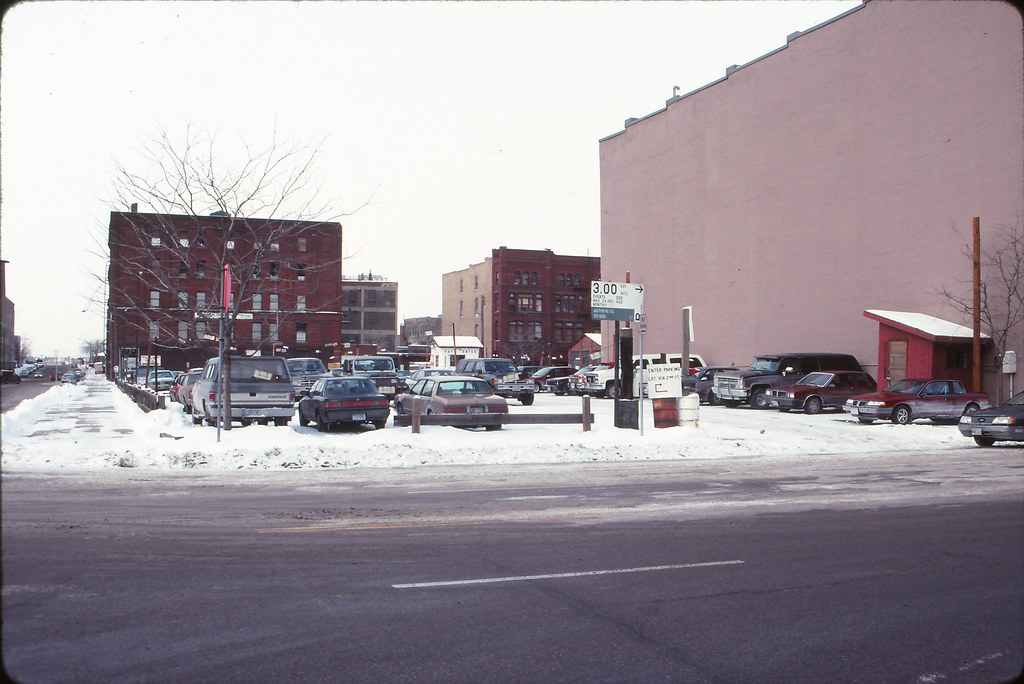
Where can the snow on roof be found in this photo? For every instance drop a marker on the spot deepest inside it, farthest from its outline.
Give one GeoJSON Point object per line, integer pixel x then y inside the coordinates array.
{"type": "Point", "coordinates": [595, 338]}
{"type": "Point", "coordinates": [460, 341]}
{"type": "Point", "coordinates": [929, 325]}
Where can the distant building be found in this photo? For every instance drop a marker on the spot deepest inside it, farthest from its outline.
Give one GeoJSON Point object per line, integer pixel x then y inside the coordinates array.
{"type": "Point", "coordinates": [587, 351]}
{"type": "Point", "coordinates": [369, 312]}
{"type": "Point", "coordinates": [446, 351]}
{"type": "Point", "coordinates": [10, 344]}
{"type": "Point", "coordinates": [528, 305]}
{"type": "Point", "coordinates": [418, 331]}
{"type": "Point", "coordinates": [166, 294]}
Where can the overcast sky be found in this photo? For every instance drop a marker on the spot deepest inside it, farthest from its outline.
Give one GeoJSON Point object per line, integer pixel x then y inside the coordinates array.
{"type": "Point", "coordinates": [464, 125]}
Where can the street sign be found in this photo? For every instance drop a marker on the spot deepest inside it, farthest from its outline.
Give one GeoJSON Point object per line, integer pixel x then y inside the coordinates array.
{"type": "Point", "coordinates": [663, 381]}
{"type": "Point", "coordinates": [616, 301]}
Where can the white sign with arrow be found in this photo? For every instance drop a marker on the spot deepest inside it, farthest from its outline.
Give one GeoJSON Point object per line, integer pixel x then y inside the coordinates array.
{"type": "Point", "coordinates": [616, 301]}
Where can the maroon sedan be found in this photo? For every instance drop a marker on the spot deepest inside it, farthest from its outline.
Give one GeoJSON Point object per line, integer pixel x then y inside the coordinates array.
{"type": "Point", "coordinates": [944, 401]}
{"type": "Point", "coordinates": [816, 391]}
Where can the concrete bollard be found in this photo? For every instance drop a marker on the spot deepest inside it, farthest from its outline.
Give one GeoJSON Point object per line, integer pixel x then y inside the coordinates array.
{"type": "Point", "coordinates": [689, 410]}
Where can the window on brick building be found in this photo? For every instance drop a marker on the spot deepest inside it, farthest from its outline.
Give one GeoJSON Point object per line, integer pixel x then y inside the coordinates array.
{"type": "Point", "coordinates": [300, 332]}
{"type": "Point", "coordinates": [200, 268]}
{"type": "Point", "coordinates": [154, 299]}
{"type": "Point", "coordinates": [154, 331]}
{"type": "Point", "coordinates": [300, 272]}
{"type": "Point", "coordinates": [274, 330]}
{"type": "Point", "coordinates": [257, 332]}
{"type": "Point", "coordinates": [538, 330]}
{"type": "Point", "coordinates": [182, 331]}
{"type": "Point", "coordinates": [200, 300]}
{"type": "Point", "coordinates": [200, 329]}
{"type": "Point", "coordinates": [182, 268]}
{"type": "Point", "coordinates": [273, 269]}
{"type": "Point", "coordinates": [300, 244]}
{"type": "Point", "coordinates": [230, 244]}
{"type": "Point", "coordinates": [274, 301]}
{"type": "Point", "coordinates": [533, 278]}
{"type": "Point", "coordinates": [300, 302]}
{"type": "Point", "coordinates": [183, 300]}
{"type": "Point", "coordinates": [538, 302]}
{"type": "Point", "coordinates": [275, 247]}
{"type": "Point", "coordinates": [183, 242]}
{"type": "Point", "coordinates": [154, 241]}
{"type": "Point", "coordinates": [516, 330]}
{"type": "Point", "coordinates": [257, 302]}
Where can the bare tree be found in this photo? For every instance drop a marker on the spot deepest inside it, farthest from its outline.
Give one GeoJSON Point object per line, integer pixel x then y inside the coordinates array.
{"type": "Point", "coordinates": [92, 349]}
{"type": "Point", "coordinates": [1002, 289]}
{"type": "Point", "coordinates": [201, 215]}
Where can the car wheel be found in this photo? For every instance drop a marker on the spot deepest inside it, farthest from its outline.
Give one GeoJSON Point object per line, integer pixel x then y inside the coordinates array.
{"type": "Point", "coordinates": [197, 419]}
{"type": "Point", "coordinates": [526, 399]}
{"type": "Point", "coordinates": [969, 409]}
{"type": "Point", "coordinates": [612, 390]}
{"type": "Point", "coordinates": [866, 421]}
{"type": "Point", "coordinates": [321, 424]}
{"type": "Point", "coordinates": [281, 422]}
{"type": "Point", "coordinates": [379, 424]}
{"type": "Point", "coordinates": [812, 406]}
{"type": "Point", "coordinates": [730, 403]}
{"type": "Point", "coordinates": [901, 415]}
{"type": "Point", "coordinates": [713, 399]}
{"type": "Point", "coordinates": [984, 441]}
{"type": "Point", "coordinates": [759, 399]}
{"type": "Point", "coordinates": [303, 421]}
{"type": "Point", "coordinates": [783, 410]}
{"type": "Point", "coordinates": [492, 427]}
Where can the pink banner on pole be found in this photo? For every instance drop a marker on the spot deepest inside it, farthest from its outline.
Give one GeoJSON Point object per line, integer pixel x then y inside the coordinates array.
{"type": "Point", "coordinates": [226, 297]}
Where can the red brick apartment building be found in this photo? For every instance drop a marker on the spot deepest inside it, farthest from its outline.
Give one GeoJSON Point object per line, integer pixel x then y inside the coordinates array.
{"type": "Point", "coordinates": [524, 304]}
{"type": "Point", "coordinates": [166, 287]}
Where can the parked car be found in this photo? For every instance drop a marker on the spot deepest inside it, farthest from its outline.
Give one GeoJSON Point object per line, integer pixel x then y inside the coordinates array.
{"type": "Point", "coordinates": [346, 399]}
{"type": "Point", "coordinates": [817, 391]}
{"type": "Point", "coordinates": [1003, 423]}
{"type": "Point", "coordinates": [261, 391]}
{"type": "Point", "coordinates": [775, 370]}
{"type": "Point", "coordinates": [503, 376]}
{"type": "Point", "coordinates": [703, 383]}
{"type": "Point", "coordinates": [160, 380]}
{"type": "Point", "coordinates": [428, 373]}
{"type": "Point", "coordinates": [69, 377]}
{"type": "Point", "coordinates": [907, 400]}
{"type": "Point", "coordinates": [526, 372]}
{"type": "Point", "coordinates": [553, 379]}
{"type": "Point", "coordinates": [11, 376]}
{"type": "Point", "coordinates": [380, 368]}
{"type": "Point", "coordinates": [452, 394]}
{"type": "Point", "coordinates": [305, 371]}
{"type": "Point", "coordinates": [578, 379]}
{"type": "Point", "coordinates": [181, 389]}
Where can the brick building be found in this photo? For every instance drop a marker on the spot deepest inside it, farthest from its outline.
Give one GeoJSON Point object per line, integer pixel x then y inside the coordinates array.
{"type": "Point", "coordinates": [528, 305]}
{"type": "Point", "coordinates": [369, 312]}
{"type": "Point", "coordinates": [166, 287]}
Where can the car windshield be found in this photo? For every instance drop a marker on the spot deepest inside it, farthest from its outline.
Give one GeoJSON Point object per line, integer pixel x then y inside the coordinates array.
{"type": "Point", "coordinates": [765, 364]}
{"type": "Point", "coordinates": [456, 387]}
{"type": "Point", "coordinates": [816, 379]}
{"type": "Point", "coordinates": [1016, 400]}
{"type": "Point", "coordinates": [502, 367]}
{"type": "Point", "coordinates": [258, 370]}
{"type": "Point", "coordinates": [306, 366]}
{"type": "Point", "coordinates": [349, 388]}
{"type": "Point", "coordinates": [907, 386]}
{"type": "Point", "coordinates": [373, 365]}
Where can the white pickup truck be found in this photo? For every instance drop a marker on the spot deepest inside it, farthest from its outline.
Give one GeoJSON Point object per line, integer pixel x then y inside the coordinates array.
{"type": "Point", "coordinates": [601, 382]}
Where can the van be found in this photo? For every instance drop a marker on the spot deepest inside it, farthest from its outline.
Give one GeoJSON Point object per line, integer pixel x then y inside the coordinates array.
{"type": "Point", "coordinates": [261, 391]}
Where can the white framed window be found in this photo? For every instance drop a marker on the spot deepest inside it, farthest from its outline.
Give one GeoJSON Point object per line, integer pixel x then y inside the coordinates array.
{"type": "Point", "coordinates": [301, 244]}
{"type": "Point", "coordinates": [300, 332]}
{"type": "Point", "coordinates": [182, 331]}
{"type": "Point", "coordinates": [300, 302]}
{"type": "Point", "coordinates": [154, 330]}
{"type": "Point", "coordinates": [274, 329]}
{"type": "Point", "coordinates": [257, 302]}
{"type": "Point", "coordinates": [257, 332]}
{"type": "Point", "coordinates": [275, 246]}
{"type": "Point", "coordinates": [183, 242]}
{"type": "Point", "coordinates": [154, 241]}
{"type": "Point", "coordinates": [274, 302]}
{"type": "Point", "coordinates": [154, 299]}
{"type": "Point", "coordinates": [183, 300]}
{"type": "Point", "coordinates": [200, 329]}
{"type": "Point", "coordinates": [200, 300]}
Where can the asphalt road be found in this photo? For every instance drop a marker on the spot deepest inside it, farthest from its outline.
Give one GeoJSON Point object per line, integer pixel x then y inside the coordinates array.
{"type": "Point", "coordinates": [638, 573]}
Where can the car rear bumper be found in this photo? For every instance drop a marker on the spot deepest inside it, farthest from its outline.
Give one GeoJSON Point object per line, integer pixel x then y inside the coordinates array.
{"type": "Point", "coordinates": [365, 415]}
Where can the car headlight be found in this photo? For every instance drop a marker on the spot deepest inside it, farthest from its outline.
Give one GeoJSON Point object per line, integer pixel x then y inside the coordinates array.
{"type": "Point", "coordinates": [875, 403]}
{"type": "Point", "coordinates": [1004, 420]}
{"type": "Point", "coordinates": [787, 395]}
{"type": "Point", "coordinates": [966, 418]}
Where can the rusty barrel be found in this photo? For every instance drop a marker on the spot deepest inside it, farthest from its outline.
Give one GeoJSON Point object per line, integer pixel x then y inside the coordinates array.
{"type": "Point", "coordinates": [666, 412]}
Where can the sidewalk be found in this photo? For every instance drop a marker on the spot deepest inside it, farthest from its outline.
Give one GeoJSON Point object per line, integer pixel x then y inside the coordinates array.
{"type": "Point", "coordinates": [86, 409]}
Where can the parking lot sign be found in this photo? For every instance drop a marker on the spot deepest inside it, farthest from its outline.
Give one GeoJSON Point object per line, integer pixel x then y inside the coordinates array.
{"type": "Point", "coordinates": [616, 301]}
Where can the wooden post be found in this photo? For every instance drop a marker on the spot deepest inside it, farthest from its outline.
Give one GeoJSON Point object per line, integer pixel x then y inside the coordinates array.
{"type": "Point", "coordinates": [586, 413]}
{"type": "Point", "coordinates": [416, 415]}
{"type": "Point", "coordinates": [976, 341]}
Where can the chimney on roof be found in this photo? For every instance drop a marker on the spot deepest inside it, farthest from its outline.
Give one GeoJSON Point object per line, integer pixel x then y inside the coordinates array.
{"type": "Point", "coordinates": [135, 207]}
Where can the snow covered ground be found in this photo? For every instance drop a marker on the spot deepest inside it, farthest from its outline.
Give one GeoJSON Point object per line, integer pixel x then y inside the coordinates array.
{"type": "Point", "coordinates": [94, 426]}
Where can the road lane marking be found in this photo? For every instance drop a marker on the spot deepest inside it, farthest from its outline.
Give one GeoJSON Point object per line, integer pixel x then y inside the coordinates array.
{"type": "Point", "coordinates": [425, 523]}
{"type": "Point", "coordinates": [562, 575]}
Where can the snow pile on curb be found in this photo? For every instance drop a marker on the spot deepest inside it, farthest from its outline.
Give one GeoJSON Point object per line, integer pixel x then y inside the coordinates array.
{"type": "Point", "coordinates": [126, 436]}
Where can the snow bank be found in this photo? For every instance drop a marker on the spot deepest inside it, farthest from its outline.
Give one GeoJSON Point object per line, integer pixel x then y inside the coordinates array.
{"type": "Point", "coordinates": [94, 426]}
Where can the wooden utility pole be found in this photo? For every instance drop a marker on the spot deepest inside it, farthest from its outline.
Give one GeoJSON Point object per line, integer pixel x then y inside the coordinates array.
{"type": "Point", "coordinates": [976, 341]}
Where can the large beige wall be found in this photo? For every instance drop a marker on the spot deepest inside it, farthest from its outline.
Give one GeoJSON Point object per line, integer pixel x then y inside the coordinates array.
{"type": "Point", "coordinates": [838, 174]}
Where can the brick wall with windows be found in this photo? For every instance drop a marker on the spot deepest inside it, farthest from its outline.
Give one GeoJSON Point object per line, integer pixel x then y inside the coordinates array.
{"type": "Point", "coordinates": [165, 276]}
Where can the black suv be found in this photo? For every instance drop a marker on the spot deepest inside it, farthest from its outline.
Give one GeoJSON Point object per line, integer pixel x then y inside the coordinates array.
{"type": "Point", "coordinates": [775, 370]}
